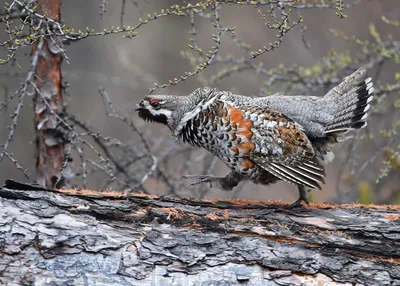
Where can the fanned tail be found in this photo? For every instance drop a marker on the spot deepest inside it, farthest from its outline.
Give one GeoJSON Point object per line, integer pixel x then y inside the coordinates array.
{"type": "Point", "coordinates": [348, 104]}
{"type": "Point", "coordinates": [351, 99]}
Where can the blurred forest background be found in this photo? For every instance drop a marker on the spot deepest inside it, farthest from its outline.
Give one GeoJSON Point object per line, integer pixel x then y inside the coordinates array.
{"type": "Point", "coordinates": [249, 47]}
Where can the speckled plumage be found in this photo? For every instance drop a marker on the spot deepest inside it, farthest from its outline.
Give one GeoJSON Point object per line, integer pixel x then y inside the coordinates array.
{"type": "Point", "coordinates": [264, 139]}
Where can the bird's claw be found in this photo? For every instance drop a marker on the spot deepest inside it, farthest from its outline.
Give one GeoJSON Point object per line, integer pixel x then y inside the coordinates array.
{"type": "Point", "coordinates": [297, 203]}
{"type": "Point", "coordinates": [200, 179]}
{"type": "Point", "coordinates": [302, 198]}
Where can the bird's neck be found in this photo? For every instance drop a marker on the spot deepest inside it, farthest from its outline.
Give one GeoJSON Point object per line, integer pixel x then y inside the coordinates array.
{"type": "Point", "coordinates": [198, 105]}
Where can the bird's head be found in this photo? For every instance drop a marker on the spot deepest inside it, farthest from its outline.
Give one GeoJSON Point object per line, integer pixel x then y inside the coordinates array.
{"type": "Point", "coordinates": [159, 108]}
{"type": "Point", "coordinates": [172, 110]}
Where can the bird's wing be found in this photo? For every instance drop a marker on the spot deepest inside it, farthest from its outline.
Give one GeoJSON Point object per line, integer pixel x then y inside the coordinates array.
{"type": "Point", "coordinates": [282, 147]}
{"type": "Point", "coordinates": [307, 173]}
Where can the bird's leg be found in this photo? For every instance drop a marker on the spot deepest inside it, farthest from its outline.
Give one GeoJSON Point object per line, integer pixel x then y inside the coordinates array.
{"type": "Point", "coordinates": [302, 198]}
{"type": "Point", "coordinates": [226, 183]}
{"type": "Point", "coordinates": [201, 179]}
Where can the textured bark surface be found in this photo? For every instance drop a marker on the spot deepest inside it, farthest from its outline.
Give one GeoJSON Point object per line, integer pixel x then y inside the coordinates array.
{"type": "Point", "coordinates": [50, 237]}
{"type": "Point", "coordinates": [48, 102]}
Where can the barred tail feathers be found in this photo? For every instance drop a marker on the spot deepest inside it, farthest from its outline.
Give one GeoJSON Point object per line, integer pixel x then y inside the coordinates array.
{"type": "Point", "coordinates": [351, 100]}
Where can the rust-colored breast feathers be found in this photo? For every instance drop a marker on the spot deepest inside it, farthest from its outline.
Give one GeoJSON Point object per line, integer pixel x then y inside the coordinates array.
{"type": "Point", "coordinates": [250, 138]}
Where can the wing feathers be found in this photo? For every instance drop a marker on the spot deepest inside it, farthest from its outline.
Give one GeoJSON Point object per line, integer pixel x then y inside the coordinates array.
{"type": "Point", "coordinates": [315, 166]}
{"type": "Point", "coordinates": [282, 173]}
{"type": "Point", "coordinates": [300, 174]}
{"type": "Point", "coordinates": [295, 160]}
{"type": "Point", "coordinates": [312, 171]}
{"type": "Point", "coordinates": [303, 176]}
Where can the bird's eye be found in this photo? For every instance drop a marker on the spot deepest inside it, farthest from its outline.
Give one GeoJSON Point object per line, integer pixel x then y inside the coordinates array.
{"type": "Point", "coordinates": [155, 102]}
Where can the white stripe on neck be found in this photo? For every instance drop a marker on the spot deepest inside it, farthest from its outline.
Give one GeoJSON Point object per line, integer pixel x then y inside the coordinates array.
{"type": "Point", "coordinates": [190, 115]}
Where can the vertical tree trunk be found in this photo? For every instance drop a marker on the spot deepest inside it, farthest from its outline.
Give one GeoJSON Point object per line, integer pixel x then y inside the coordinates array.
{"type": "Point", "coordinates": [48, 101]}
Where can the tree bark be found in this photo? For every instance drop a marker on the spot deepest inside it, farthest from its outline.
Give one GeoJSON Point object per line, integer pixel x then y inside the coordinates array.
{"type": "Point", "coordinates": [80, 237]}
{"type": "Point", "coordinates": [48, 101]}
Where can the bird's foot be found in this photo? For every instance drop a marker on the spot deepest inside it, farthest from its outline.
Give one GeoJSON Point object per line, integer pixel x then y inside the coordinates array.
{"type": "Point", "coordinates": [201, 179]}
{"type": "Point", "coordinates": [302, 198]}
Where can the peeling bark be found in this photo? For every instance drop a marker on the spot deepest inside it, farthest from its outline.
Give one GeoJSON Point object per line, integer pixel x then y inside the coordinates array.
{"type": "Point", "coordinates": [86, 238]}
{"type": "Point", "coordinates": [48, 102]}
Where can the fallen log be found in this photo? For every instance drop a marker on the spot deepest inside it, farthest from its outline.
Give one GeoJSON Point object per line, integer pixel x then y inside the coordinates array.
{"type": "Point", "coordinates": [81, 237]}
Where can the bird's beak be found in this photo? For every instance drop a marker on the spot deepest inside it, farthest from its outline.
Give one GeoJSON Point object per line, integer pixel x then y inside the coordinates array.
{"type": "Point", "coordinates": [138, 107]}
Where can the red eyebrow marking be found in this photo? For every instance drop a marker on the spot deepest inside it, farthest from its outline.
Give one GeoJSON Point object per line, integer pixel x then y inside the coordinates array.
{"type": "Point", "coordinates": [154, 101]}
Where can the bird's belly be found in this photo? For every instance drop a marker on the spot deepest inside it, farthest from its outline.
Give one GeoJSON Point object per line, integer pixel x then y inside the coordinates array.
{"type": "Point", "coordinates": [238, 163]}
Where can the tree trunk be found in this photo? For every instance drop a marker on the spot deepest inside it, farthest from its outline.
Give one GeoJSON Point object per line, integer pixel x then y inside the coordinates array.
{"type": "Point", "coordinates": [80, 237]}
{"type": "Point", "coordinates": [48, 100]}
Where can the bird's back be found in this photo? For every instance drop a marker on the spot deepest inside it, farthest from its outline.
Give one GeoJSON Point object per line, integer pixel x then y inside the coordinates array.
{"type": "Point", "coordinates": [324, 119]}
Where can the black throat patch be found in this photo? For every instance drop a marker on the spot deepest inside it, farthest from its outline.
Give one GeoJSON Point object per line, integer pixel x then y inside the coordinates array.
{"type": "Point", "coordinates": [147, 116]}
